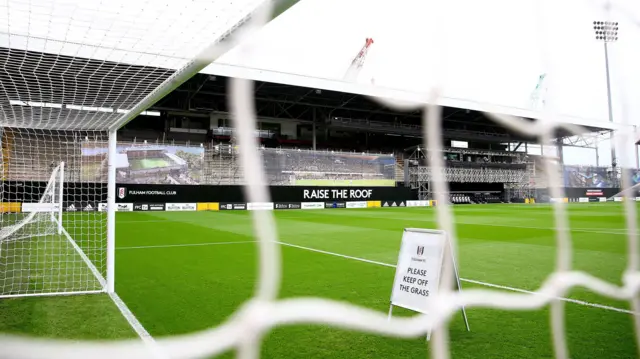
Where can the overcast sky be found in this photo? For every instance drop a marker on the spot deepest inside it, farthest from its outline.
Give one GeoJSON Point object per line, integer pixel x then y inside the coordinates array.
{"type": "Point", "coordinates": [486, 51]}
{"type": "Point", "coordinates": [489, 51]}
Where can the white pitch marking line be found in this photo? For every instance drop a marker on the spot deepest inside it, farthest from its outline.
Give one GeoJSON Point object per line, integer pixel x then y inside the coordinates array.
{"type": "Point", "coordinates": [575, 301]}
{"type": "Point", "coordinates": [136, 325]}
{"type": "Point", "coordinates": [185, 245]}
{"type": "Point", "coordinates": [583, 230]}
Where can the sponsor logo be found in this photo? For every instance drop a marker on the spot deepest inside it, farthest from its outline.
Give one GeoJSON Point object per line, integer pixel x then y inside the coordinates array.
{"type": "Point", "coordinates": [594, 192]}
{"type": "Point", "coordinates": [374, 204]}
{"type": "Point", "coordinates": [71, 208]}
{"type": "Point", "coordinates": [385, 204]}
{"type": "Point", "coordinates": [232, 206]}
{"type": "Point", "coordinates": [122, 192]}
{"type": "Point", "coordinates": [32, 207]}
{"type": "Point", "coordinates": [420, 250]}
{"type": "Point", "coordinates": [124, 207]}
{"type": "Point", "coordinates": [336, 205]}
{"type": "Point", "coordinates": [140, 207]}
{"type": "Point", "coordinates": [265, 206]}
{"type": "Point", "coordinates": [356, 204]}
{"type": "Point", "coordinates": [148, 206]}
{"type": "Point", "coordinates": [102, 207]}
{"type": "Point", "coordinates": [181, 206]}
{"type": "Point", "coordinates": [401, 204]}
{"type": "Point", "coordinates": [88, 208]}
{"type": "Point", "coordinates": [287, 206]}
{"type": "Point", "coordinates": [559, 200]}
{"type": "Point", "coordinates": [312, 205]}
{"type": "Point", "coordinates": [422, 203]}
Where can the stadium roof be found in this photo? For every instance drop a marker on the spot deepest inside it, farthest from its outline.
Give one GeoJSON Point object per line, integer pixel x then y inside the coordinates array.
{"type": "Point", "coordinates": [494, 67]}
{"type": "Point", "coordinates": [204, 94]}
{"type": "Point", "coordinates": [111, 62]}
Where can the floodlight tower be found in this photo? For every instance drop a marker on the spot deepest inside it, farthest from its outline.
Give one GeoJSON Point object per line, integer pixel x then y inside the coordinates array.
{"type": "Point", "coordinates": [358, 61]}
{"type": "Point", "coordinates": [607, 32]}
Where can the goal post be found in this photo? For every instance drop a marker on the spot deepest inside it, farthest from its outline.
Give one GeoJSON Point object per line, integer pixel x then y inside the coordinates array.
{"type": "Point", "coordinates": [59, 97]}
{"type": "Point", "coordinates": [111, 211]}
{"type": "Point", "coordinates": [60, 196]}
{"type": "Point", "coordinates": [52, 234]}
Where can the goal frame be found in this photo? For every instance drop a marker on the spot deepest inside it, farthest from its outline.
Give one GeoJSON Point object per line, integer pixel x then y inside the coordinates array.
{"type": "Point", "coordinates": [56, 214]}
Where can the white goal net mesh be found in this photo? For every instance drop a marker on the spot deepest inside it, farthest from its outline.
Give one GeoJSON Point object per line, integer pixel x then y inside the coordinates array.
{"type": "Point", "coordinates": [104, 89]}
{"type": "Point", "coordinates": [52, 234]}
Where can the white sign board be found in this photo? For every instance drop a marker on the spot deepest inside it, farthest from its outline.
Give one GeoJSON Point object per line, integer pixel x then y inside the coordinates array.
{"type": "Point", "coordinates": [418, 270]}
{"type": "Point", "coordinates": [358, 204]}
{"type": "Point", "coordinates": [40, 207]}
{"type": "Point", "coordinates": [260, 206]}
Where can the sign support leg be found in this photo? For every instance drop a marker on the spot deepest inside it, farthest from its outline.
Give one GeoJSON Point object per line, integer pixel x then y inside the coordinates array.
{"type": "Point", "coordinates": [455, 270]}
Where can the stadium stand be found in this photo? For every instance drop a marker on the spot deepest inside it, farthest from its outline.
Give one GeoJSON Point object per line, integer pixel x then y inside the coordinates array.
{"type": "Point", "coordinates": [459, 198]}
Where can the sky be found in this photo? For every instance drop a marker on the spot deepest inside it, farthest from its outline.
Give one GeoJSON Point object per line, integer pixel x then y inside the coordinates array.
{"type": "Point", "coordinates": [486, 52]}
{"type": "Point", "coordinates": [489, 51]}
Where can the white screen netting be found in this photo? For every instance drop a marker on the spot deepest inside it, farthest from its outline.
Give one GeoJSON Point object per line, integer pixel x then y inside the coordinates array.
{"type": "Point", "coordinates": [244, 331]}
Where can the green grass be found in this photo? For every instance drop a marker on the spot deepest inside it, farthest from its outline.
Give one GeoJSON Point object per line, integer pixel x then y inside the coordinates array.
{"type": "Point", "coordinates": [37, 259]}
{"type": "Point", "coordinates": [148, 163]}
{"type": "Point", "coordinates": [182, 289]}
{"type": "Point", "coordinates": [346, 183]}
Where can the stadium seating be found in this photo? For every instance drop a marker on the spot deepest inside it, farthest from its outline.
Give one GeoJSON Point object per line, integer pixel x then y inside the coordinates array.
{"type": "Point", "coordinates": [459, 198]}
{"type": "Point", "coordinates": [486, 198]}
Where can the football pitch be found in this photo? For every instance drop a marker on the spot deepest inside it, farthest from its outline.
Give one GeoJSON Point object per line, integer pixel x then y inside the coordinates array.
{"type": "Point", "coordinates": [181, 272]}
{"type": "Point", "coordinates": [148, 163]}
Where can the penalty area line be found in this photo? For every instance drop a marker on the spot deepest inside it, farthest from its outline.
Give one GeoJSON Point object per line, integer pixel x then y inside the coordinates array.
{"type": "Point", "coordinates": [497, 286]}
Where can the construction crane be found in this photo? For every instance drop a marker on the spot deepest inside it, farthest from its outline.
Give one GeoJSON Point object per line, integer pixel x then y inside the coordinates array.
{"type": "Point", "coordinates": [539, 94]}
{"type": "Point", "coordinates": [358, 61]}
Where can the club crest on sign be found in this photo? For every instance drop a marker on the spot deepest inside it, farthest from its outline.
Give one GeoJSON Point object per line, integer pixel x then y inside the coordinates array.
{"type": "Point", "coordinates": [420, 250]}
{"type": "Point", "coordinates": [122, 192]}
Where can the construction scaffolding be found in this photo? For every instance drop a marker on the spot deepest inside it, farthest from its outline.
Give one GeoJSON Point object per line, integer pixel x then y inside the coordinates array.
{"type": "Point", "coordinates": [513, 169]}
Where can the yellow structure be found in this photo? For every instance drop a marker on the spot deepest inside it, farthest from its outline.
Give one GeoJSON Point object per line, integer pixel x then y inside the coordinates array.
{"type": "Point", "coordinates": [374, 204]}
{"type": "Point", "coordinates": [208, 206]}
{"type": "Point", "coordinates": [10, 207]}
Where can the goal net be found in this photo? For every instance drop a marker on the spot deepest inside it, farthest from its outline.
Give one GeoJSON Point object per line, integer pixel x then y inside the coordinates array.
{"type": "Point", "coordinates": [54, 107]}
{"type": "Point", "coordinates": [52, 235]}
